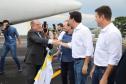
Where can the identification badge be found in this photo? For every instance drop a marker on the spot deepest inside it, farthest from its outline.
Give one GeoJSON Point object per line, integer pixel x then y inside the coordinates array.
{"type": "Point", "coordinates": [10, 37]}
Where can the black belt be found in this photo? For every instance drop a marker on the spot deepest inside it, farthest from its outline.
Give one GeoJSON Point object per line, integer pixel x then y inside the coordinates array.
{"type": "Point", "coordinates": [100, 67]}
{"type": "Point", "coordinates": [77, 59]}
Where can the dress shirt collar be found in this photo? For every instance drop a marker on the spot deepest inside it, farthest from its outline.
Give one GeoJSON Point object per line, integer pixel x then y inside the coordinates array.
{"type": "Point", "coordinates": [106, 28]}
{"type": "Point", "coordinates": [78, 27]}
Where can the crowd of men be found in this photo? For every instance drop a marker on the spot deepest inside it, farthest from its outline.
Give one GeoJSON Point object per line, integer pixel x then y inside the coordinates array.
{"type": "Point", "coordinates": [75, 46]}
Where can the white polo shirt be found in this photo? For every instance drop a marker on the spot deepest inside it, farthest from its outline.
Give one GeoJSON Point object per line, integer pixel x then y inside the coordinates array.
{"type": "Point", "coordinates": [108, 47]}
{"type": "Point", "coordinates": [81, 44]}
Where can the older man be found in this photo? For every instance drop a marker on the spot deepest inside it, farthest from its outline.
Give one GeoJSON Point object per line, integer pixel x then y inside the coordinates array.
{"type": "Point", "coordinates": [36, 45]}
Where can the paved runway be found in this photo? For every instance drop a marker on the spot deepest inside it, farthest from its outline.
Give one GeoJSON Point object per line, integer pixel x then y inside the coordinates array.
{"type": "Point", "coordinates": [12, 76]}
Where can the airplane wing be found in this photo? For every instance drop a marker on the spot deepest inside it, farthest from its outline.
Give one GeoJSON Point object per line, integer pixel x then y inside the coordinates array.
{"type": "Point", "coordinates": [17, 11]}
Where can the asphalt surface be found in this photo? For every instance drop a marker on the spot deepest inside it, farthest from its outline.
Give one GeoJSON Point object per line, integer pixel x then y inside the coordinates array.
{"type": "Point", "coordinates": [11, 75]}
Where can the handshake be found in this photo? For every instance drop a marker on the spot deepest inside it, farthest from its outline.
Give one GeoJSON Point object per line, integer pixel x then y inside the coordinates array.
{"type": "Point", "coordinates": [56, 42]}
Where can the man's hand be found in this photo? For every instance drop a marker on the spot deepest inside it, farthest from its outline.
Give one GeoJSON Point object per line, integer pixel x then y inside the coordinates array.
{"type": "Point", "coordinates": [56, 42]}
{"type": "Point", "coordinates": [92, 71]}
{"type": "Point", "coordinates": [103, 81]}
{"type": "Point", "coordinates": [106, 74]}
{"type": "Point", "coordinates": [85, 66]}
{"type": "Point", "coordinates": [84, 69]}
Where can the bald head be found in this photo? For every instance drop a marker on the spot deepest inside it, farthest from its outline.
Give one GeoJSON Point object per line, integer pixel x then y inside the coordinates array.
{"type": "Point", "coordinates": [36, 25]}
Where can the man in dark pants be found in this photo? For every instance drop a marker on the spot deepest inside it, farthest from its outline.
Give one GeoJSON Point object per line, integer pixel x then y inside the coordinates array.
{"type": "Point", "coordinates": [10, 35]}
{"type": "Point", "coordinates": [108, 49]}
{"type": "Point", "coordinates": [67, 62]}
{"type": "Point", "coordinates": [36, 45]}
{"type": "Point", "coordinates": [121, 70]}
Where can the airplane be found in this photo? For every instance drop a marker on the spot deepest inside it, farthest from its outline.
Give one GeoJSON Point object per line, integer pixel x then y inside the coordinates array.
{"type": "Point", "coordinates": [17, 11]}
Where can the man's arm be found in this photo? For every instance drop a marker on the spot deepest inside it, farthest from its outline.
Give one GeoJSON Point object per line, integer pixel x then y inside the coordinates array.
{"type": "Point", "coordinates": [92, 71]}
{"type": "Point", "coordinates": [33, 36]}
{"type": "Point", "coordinates": [85, 66]}
{"type": "Point", "coordinates": [88, 43]}
{"type": "Point", "coordinates": [67, 45]}
{"type": "Point", "coordinates": [106, 75]}
{"type": "Point", "coordinates": [114, 42]}
{"type": "Point", "coordinates": [18, 37]}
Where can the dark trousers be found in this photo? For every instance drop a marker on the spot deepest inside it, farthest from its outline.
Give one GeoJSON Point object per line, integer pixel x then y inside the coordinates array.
{"type": "Point", "coordinates": [121, 70]}
{"type": "Point", "coordinates": [67, 72]}
{"type": "Point", "coordinates": [6, 49]}
{"type": "Point", "coordinates": [30, 72]}
{"type": "Point", "coordinates": [98, 73]}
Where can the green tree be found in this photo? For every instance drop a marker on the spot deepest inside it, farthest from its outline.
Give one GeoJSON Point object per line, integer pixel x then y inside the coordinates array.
{"type": "Point", "coordinates": [120, 22]}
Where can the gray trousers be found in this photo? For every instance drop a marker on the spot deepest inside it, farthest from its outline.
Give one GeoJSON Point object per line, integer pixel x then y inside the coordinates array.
{"type": "Point", "coordinates": [30, 72]}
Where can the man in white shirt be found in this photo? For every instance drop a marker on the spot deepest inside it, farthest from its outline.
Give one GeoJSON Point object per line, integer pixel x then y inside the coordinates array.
{"type": "Point", "coordinates": [108, 48]}
{"type": "Point", "coordinates": [81, 45]}
{"type": "Point", "coordinates": [61, 35]}
{"type": "Point", "coordinates": [60, 31]}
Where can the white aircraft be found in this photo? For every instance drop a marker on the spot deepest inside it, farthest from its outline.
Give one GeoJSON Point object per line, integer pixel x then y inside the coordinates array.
{"type": "Point", "coordinates": [17, 11]}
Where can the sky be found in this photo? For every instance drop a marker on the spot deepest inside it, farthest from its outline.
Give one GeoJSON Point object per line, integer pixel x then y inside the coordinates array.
{"type": "Point", "coordinates": [88, 6]}
{"type": "Point", "coordinates": [118, 6]}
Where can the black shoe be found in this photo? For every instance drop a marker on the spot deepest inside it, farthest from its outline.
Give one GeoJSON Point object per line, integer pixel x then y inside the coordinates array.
{"type": "Point", "coordinates": [1, 72]}
{"type": "Point", "coordinates": [20, 70]}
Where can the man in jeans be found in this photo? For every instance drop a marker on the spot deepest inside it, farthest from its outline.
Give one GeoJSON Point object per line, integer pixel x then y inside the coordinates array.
{"type": "Point", "coordinates": [10, 35]}
{"type": "Point", "coordinates": [108, 48]}
{"type": "Point", "coordinates": [81, 45]}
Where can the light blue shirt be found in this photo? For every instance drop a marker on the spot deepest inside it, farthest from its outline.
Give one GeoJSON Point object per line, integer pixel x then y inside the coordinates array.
{"type": "Point", "coordinates": [10, 36]}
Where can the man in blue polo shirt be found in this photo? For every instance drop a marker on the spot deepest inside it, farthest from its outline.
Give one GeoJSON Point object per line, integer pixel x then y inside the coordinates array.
{"type": "Point", "coordinates": [10, 35]}
{"type": "Point", "coordinates": [67, 62]}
